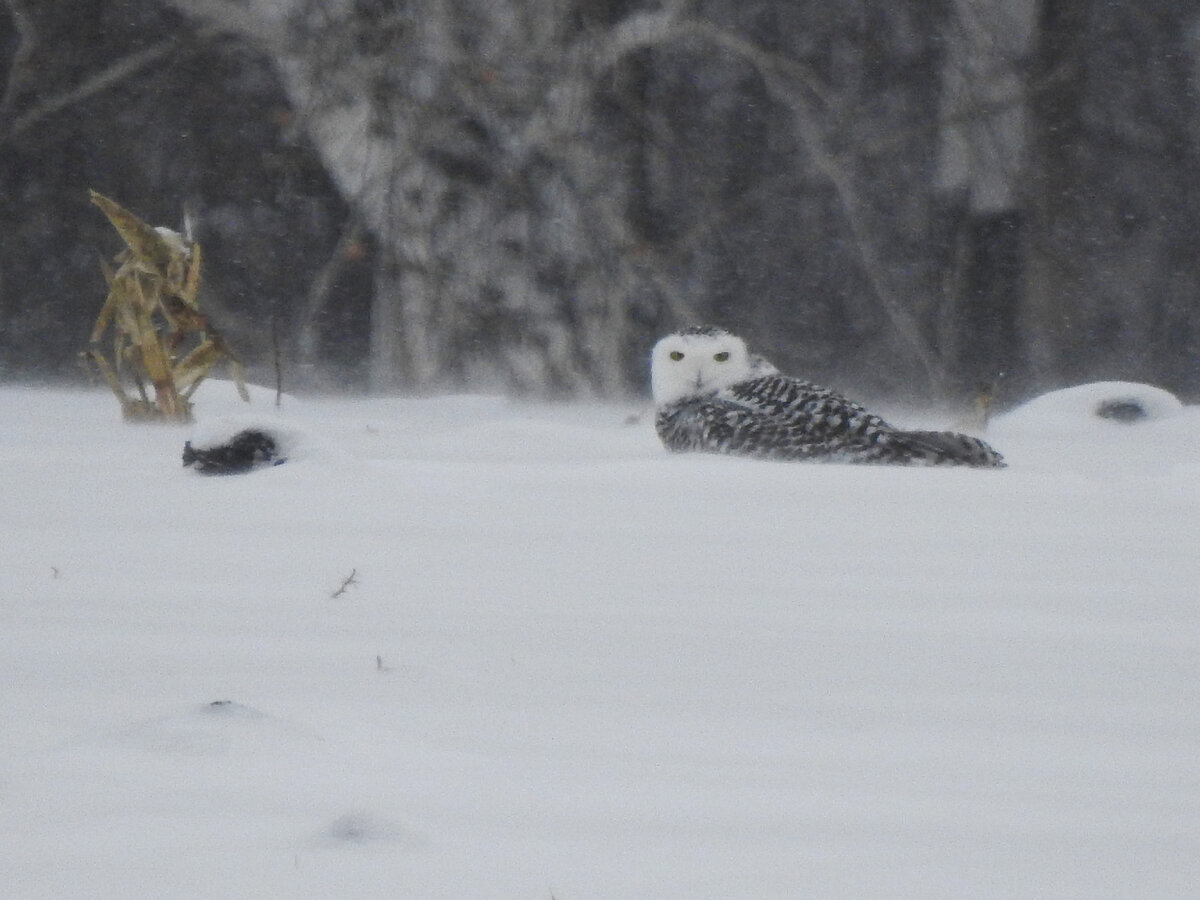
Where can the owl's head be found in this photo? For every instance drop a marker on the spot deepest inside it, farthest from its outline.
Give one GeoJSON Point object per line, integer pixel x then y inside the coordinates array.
{"type": "Point", "coordinates": [700, 360]}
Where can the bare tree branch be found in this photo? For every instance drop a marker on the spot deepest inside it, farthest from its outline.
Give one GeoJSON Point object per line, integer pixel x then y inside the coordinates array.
{"type": "Point", "coordinates": [789, 81]}
{"type": "Point", "coordinates": [109, 77]}
{"type": "Point", "coordinates": [223, 16]}
{"type": "Point", "coordinates": [322, 285]}
{"type": "Point", "coordinates": [782, 76]}
{"type": "Point", "coordinates": [26, 42]}
{"type": "Point", "coordinates": [348, 582]}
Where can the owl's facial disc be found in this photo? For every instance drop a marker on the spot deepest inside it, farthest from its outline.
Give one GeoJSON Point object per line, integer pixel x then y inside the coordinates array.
{"type": "Point", "coordinates": [696, 362]}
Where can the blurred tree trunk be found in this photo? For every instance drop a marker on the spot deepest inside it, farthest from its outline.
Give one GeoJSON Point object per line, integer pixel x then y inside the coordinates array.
{"type": "Point", "coordinates": [982, 166]}
{"type": "Point", "coordinates": [1069, 173]}
{"type": "Point", "coordinates": [1113, 258]}
{"type": "Point", "coordinates": [1052, 323]}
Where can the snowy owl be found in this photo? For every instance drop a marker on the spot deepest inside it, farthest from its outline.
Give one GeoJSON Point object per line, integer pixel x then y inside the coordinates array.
{"type": "Point", "coordinates": [713, 395]}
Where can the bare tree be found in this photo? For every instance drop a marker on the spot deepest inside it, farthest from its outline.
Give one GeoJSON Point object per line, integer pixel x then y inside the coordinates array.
{"type": "Point", "coordinates": [468, 136]}
{"type": "Point", "coordinates": [462, 132]}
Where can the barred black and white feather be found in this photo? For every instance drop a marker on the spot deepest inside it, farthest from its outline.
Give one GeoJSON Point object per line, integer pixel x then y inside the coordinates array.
{"type": "Point", "coordinates": [714, 396]}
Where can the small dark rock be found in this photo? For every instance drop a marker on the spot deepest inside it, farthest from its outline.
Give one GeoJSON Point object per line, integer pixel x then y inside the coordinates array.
{"type": "Point", "coordinates": [1123, 409]}
{"type": "Point", "coordinates": [246, 450]}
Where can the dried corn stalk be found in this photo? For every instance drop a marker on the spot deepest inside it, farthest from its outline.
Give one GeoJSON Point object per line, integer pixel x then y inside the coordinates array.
{"type": "Point", "coordinates": [151, 308]}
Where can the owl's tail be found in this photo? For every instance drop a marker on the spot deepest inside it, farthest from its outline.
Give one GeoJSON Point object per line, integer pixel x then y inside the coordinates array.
{"type": "Point", "coordinates": [942, 448]}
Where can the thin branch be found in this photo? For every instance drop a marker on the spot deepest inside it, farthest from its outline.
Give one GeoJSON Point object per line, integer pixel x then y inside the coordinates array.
{"type": "Point", "coordinates": [276, 354]}
{"type": "Point", "coordinates": [26, 42]}
{"type": "Point", "coordinates": [779, 74]}
{"type": "Point", "coordinates": [980, 111]}
{"type": "Point", "coordinates": [764, 60]}
{"type": "Point", "coordinates": [782, 76]}
{"type": "Point", "coordinates": [348, 582]}
{"type": "Point", "coordinates": [647, 29]}
{"type": "Point", "coordinates": [230, 18]}
{"type": "Point", "coordinates": [122, 69]}
{"type": "Point", "coordinates": [321, 287]}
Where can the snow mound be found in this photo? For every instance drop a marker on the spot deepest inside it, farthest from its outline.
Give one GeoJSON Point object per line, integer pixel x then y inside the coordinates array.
{"type": "Point", "coordinates": [215, 396]}
{"type": "Point", "coordinates": [1120, 402]}
{"type": "Point", "coordinates": [1108, 429]}
{"type": "Point", "coordinates": [221, 415]}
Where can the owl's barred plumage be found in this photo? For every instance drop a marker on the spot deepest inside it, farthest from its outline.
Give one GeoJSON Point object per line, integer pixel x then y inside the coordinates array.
{"type": "Point", "coordinates": [714, 396]}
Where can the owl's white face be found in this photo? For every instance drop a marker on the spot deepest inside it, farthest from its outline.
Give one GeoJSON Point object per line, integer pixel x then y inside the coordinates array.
{"type": "Point", "coordinates": [697, 361]}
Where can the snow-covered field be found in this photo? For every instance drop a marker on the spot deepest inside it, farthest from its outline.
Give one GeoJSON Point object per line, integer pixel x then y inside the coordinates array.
{"type": "Point", "coordinates": [571, 665]}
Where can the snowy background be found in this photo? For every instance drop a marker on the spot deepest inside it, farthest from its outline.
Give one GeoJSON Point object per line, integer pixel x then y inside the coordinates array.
{"type": "Point", "coordinates": [571, 665]}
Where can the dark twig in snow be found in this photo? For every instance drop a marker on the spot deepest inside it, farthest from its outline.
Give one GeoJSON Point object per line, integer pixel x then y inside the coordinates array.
{"type": "Point", "coordinates": [349, 581]}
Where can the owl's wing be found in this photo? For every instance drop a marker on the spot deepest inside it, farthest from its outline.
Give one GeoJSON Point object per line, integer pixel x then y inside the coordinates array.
{"type": "Point", "coordinates": [716, 425]}
{"type": "Point", "coordinates": [824, 416]}
{"type": "Point", "coordinates": [772, 417]}
{"type": "Point", "coordinates": [777, 417]}
{"type": "Point", "coordinates": [938, 448]}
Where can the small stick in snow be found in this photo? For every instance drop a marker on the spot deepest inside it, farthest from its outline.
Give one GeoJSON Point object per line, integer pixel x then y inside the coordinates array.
{"type": "Point", "coordinates": [349, 582]}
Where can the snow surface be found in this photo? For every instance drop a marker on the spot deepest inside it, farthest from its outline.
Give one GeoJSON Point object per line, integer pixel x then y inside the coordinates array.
{"type": "Point", "coordinates": [571, 665]}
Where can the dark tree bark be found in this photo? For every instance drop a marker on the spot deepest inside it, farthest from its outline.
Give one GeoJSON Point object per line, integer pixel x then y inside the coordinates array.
{"type": "Point", "coordinates": [1053, 325]}
{"type": "Point", "coordinates": [1113, 264]}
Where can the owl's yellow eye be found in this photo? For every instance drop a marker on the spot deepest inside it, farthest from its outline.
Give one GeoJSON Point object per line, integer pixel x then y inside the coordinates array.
{"type": "Point", "coordinates": [722, 356]}
{"type": "Point", "coordinates": [676, 355]}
